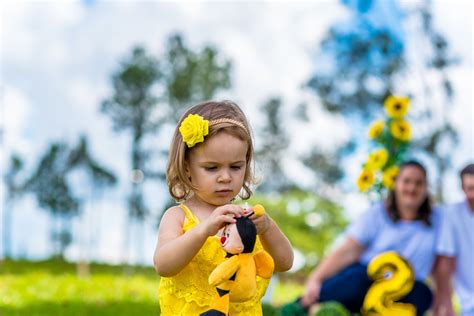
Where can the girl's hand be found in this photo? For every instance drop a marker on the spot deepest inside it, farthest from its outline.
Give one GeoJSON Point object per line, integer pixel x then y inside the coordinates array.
{"type": "Point", "coordinates": [220, 217]}
{"type": "Point", "coordinates": [262, 223]}
{"type": "Point", "coordinates": [311, 293]}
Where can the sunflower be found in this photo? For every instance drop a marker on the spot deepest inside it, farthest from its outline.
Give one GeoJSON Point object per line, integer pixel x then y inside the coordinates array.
{"type": "Point", "coordinates": [388, 177]}
{"type": "Point", "coordinates": [396, 107]}
{"type": "Point", "coordinates": [366, 180]}
{"type": "Point", "coordinates": [377, 159]}
{"type": "Point", "coordinates": [376, 129]}
{"type": "Point", "coordinates": [400, 129]}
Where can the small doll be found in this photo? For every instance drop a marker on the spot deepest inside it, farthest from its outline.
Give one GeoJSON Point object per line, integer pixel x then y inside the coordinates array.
{"type": "Point", "coordinates": [235, 277]}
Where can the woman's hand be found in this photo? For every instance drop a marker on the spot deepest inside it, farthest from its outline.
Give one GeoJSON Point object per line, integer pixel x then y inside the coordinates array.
{"type": "Point", "coordinates": [220, 217]}
{"type": "Point", "coordinates": [311, 292]}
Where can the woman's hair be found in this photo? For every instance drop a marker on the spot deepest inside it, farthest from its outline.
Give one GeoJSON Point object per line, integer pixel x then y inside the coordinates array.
{"type": "Point", "coordinates": [222, 116]}
{"type": "Point", "coordinates": [424, 211]}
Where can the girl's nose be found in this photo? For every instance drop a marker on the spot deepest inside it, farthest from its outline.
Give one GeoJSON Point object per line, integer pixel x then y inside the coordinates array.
{"type": "Point", "coordinates": [224, 176]}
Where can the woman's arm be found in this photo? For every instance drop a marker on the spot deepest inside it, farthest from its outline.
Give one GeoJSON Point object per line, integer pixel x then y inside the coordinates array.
{"type": "Point", "coordinates": [275, 243]}
{"type": "Point", "coordinates": [342, 257]}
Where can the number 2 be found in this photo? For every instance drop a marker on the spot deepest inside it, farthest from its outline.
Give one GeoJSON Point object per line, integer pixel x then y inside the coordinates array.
{"type": "Point", "coordinates": [393, 279]}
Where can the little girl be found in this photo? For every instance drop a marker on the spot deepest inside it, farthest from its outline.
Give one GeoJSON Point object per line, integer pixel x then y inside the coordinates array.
{"type": "Point", "coordinates": [209, 165]}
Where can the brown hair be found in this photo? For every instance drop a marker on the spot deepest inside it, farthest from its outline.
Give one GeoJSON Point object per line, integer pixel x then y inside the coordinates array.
{"type": "Point", "coordinates": [424, 211]}
{"type": "Point", "coordinates": [236, 124]}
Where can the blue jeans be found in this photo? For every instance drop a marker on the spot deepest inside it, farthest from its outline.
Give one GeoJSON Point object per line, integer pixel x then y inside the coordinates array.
{"type": "Point", "coordinates": [349, 287]}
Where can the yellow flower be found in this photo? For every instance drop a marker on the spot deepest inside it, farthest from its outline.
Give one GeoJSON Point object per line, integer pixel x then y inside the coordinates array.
{"type": "Point", "coordinates": [396, 107]}
{"type": "Point", "coordinates": [376, 129]}
{"type": "Point", "coordinates": [377, 159]}
{"type": "Point", "coordinates": [193, 129]}
{"type": "Point", "coordinates": [366, 180]}
{"type": "Point", "coordinates": [400, 129]}
{"type": "Point", "coordinates": [388, 177]}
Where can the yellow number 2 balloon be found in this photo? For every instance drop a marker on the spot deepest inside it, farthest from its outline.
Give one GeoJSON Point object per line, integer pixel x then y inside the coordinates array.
{"type": "Point", "coordinates": [393, 279]}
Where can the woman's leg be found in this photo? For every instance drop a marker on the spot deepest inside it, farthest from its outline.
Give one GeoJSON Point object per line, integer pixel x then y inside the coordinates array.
{"type": "Point", "coordinates": [420, 296]}
{"type": "Point", "coordinates": [348, 287]}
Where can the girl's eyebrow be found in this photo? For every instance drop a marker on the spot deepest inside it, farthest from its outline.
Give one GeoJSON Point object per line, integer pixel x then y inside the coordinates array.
{"type": "Point", "coordinates": [217, 163]}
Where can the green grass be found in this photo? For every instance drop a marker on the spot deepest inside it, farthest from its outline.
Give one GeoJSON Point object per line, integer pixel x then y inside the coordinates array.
{"type": "Point", "coordinates": [52, 287]}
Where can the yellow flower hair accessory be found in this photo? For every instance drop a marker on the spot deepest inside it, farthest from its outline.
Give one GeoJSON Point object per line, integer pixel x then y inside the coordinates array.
{"type": "Point", "coordinates": [193, 129]}
{"type": "Point", "coordinates": [396, 107]}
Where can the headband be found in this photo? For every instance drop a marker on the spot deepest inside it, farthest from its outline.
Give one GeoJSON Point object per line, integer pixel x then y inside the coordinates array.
{"type": "Point", "coordinates": [194, 128]}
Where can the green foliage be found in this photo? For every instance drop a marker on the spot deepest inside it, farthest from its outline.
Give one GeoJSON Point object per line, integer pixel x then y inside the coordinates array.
{"type": "Point", "coordinates": [286, 292]}
{"type": "Point", "coordinates": [332, 309]}
{"type": "Point", "coordinates": [310, 222]}
{"type": "Point", "coordinates": [269, 310]}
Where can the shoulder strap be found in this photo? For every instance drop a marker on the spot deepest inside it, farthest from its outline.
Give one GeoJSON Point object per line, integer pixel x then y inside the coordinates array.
{"type": "Point", "coordinates": [189, 215]}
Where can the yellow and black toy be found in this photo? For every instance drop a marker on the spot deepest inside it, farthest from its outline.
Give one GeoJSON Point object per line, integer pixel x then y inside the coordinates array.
{"type": "Point", "coordinates": [235, 277]}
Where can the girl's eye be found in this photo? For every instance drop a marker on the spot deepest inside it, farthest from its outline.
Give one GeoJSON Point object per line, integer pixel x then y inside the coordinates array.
{"type": "Point", "coordinates": [236, 167]}
{"type": "Point", "coordinates": [210, 168]}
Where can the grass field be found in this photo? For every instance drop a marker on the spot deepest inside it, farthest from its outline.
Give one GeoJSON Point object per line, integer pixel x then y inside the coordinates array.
{"type": "Point", "coordinates": [53, 288]}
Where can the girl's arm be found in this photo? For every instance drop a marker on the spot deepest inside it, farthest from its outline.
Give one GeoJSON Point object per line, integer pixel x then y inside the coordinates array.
{"type": "Point", "coordinates": [175, 249]}
{"type": "Point", "coordinates": [342, 257]}
{"type": "Point", "coordinates": [275, 243]}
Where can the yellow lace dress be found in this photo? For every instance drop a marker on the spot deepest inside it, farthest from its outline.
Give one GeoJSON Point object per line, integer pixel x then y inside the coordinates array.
{"type": "Point", "coordinates": [189, 293]}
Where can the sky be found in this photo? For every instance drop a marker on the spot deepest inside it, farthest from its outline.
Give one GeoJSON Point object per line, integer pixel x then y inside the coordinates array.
{"type": "Point", "coordinates": [57, 58]}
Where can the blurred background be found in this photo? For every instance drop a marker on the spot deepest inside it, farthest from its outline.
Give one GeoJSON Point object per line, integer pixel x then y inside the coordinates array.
{"type": "Point", "coordinates": [91, 92]}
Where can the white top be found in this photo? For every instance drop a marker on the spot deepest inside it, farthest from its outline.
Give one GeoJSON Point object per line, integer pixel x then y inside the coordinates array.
{"type": "Point", "coordinates": [456, 239]}
{"type": "Point", "coordinates": [413, 240]}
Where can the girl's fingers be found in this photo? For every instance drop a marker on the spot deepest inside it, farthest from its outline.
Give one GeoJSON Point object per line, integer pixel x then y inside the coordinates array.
{"type": "Point", "coordinates": [231, 209]}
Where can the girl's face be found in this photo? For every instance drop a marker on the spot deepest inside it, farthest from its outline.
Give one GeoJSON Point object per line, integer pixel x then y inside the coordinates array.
{"type": "Point", "coordinates": [217, 168]}
{"type": "Point", "coordinates": [410, 187]}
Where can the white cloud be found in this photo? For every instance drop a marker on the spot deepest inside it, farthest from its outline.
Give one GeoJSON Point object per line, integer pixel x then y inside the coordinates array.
{"type": "Point", "coordinates": [14, 117]}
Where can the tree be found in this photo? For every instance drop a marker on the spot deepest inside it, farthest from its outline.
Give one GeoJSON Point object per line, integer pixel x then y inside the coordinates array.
{"type": "Point", "coordinates": [150, 92]}
{"type": "Point", "coordinates": [14, 188]}
{"type": "Point", "coordinates": [272, 151]}
{"type": "Point", "coordinates": [49, 183]}
{"type": "Point", "coordinates": [80, 157]}
{"type": "Point", "coordinates": [439, 140]}
{"type": "Point", "coordinates": [364, 62]}
{"type": "Point", "coordinates": [191, 77]}
{"type": "Point", "coordinates": [53, 193]}
{"type": "Point", "coordinates": [131, 108]}
{"type": "Point", "coordinates": [310, 222]}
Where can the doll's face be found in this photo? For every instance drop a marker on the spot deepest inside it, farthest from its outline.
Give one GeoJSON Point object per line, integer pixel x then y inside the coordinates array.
{"type": "Point", "coordinates": [231, 241]}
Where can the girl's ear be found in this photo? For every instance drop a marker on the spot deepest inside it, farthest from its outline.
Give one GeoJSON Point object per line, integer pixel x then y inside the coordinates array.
{"type": "Point", "coordinates": [186, 170]}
